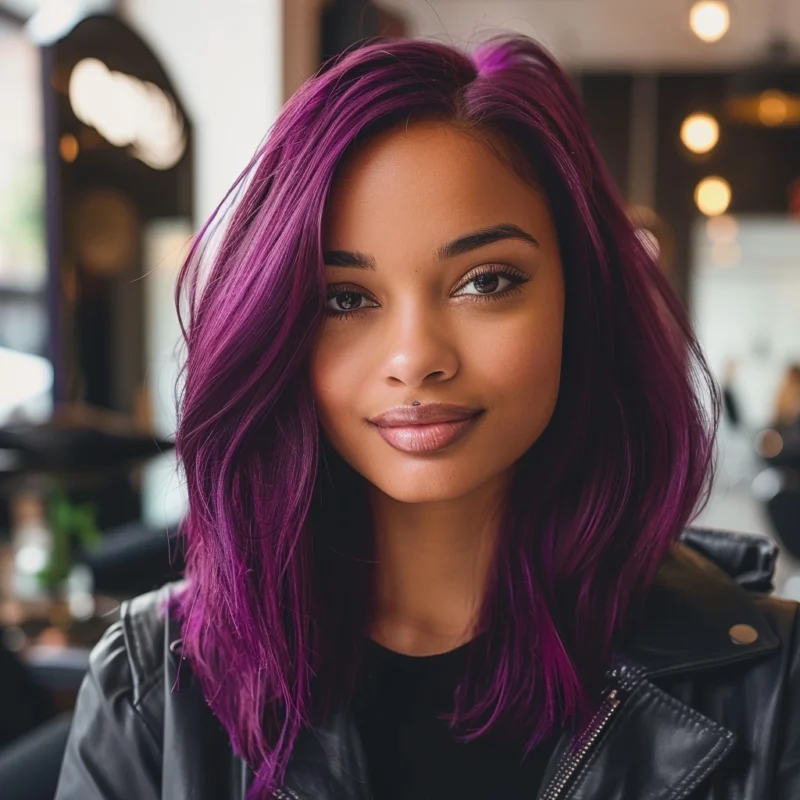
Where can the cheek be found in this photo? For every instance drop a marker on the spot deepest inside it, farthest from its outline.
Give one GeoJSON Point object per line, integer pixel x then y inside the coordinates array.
{"type": "Point", "coordinates": [337, 372]}
{"type": "Point", "coordinates": [524, 366]}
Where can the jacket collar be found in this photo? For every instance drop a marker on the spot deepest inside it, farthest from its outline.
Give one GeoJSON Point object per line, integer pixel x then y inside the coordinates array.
{"type": "Point", "coordinates": [657, 747]}
{"type": "Point", "coordinates": [698, 613]}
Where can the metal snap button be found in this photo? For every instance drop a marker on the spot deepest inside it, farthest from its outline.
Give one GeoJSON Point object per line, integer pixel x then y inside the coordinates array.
{"type": "Point", "coordinates": [743, 634]}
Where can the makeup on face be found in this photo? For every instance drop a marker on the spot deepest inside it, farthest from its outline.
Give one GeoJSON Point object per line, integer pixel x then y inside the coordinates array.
{"type": "Point", "coordinates": [425, 428]}
{"type": "Point", "coordinates": [444, 286]}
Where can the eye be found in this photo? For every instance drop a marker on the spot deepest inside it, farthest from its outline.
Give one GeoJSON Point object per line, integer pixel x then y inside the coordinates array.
{"type": "Point", "coordinates": [490, 282]}
{"type": "Point", "coordinates": [343, 302]}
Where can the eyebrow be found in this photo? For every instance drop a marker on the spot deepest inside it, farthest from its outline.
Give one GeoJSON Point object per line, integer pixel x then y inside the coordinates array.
{"type": "Point", "coordinates": [464, 244]}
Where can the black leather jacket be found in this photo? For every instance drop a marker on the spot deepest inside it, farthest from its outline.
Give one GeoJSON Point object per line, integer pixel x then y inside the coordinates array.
{"type": "Point", "coordinates": [706, 705]}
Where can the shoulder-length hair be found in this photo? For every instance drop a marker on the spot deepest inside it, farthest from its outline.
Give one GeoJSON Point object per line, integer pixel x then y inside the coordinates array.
{"type": "Point", "coordinates": [277, 540]}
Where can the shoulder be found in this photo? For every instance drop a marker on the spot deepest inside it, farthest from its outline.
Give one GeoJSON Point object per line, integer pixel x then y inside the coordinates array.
{"type": "Point", "coordinates": [129, 659]}
{"type": "Point", "coordinates": [148, 632]}
{"type": "Point", "coordinates": [711, 605]}
{"type": "Point", "coordinates": [116, 742]}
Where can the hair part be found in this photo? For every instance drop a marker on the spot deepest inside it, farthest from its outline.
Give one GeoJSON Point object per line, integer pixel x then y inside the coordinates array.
{"type": "Point", "coordinates": [274, 611]}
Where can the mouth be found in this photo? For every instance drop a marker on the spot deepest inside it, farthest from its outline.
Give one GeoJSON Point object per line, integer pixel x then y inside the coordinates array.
{"type": "Point", "coordinates": [425, 428]}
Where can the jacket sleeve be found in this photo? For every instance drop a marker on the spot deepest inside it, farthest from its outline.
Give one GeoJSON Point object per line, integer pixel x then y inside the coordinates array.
{"type": "Point", "coordinates": [112, 751]}
{"type": "Point", "coordinates": [788, 768]}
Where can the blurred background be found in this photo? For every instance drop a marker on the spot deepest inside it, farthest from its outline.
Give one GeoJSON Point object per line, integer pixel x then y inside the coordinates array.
{"type": "Point", "coordinates": [122, 125]}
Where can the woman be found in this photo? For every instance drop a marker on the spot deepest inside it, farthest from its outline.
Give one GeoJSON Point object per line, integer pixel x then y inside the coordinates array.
{"type": "Point", "coordinates": [442, 429]}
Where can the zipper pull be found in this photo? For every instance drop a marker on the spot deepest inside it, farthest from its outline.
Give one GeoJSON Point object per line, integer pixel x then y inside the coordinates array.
{"type": "Point", "coordinates": [622, 679]}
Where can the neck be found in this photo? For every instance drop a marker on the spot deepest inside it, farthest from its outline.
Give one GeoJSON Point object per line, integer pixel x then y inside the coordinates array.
{"type": "Point", "coordinates": [433, 562]}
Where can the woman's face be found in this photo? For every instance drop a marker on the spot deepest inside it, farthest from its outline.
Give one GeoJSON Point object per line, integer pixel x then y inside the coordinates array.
{"type": "Point", "coordinates": [445, 287]}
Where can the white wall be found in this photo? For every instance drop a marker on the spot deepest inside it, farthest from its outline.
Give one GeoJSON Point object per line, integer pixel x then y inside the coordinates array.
{"type": "Point", "coordinates": [746, 307]}
{"type": "Point", "coordinates": [226, 62]}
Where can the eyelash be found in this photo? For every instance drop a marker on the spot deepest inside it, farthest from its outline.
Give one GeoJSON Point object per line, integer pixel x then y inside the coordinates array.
{"type": "Point", "coordinates": [517, 280]}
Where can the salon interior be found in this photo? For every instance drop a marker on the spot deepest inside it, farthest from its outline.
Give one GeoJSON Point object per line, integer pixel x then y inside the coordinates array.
{"type": "Point", "coordinates": [119, 135]}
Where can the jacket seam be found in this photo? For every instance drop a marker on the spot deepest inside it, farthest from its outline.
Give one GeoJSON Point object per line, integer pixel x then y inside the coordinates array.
{"type": "Point", "coordinates": [131, 650]}
{"type": "Point", "coordinates": [701, 770]}
{"type": "Point", "coordinates": [138, 708]}
{"type": "Point", "coordinates": [704, 767]}
{"type": "Point", "coordinates": [141, 688]}
{"type": "Point", "coordinates": [146, 688]}
{"type": "Point", "coordinates": [686, 713]}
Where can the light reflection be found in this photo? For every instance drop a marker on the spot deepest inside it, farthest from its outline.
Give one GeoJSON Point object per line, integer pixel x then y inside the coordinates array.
{"type": "Point", "coordinates": [713, 196]}
{"type": "Point", "coordinates": [726, 254]}
{"type": "Point", "coordinates": [128, 111]}
{"type": "Point", "coordinates": [710, 20]}
{"type": "Point", "coordinates": [769, 444]}
{"type": "Point", "coordinates": [773, 108]}
{"type": "Point", "coordinates": [69, 148]}
{"type": "Point", "coordinates": [722, 229]}
{"type": "Point", "coordinates": [700, 133]}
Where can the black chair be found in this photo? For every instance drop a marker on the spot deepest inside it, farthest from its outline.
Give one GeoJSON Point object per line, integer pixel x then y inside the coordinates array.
{"type": "Point", "coordinates": [24, 703]}
{"type": "Point", "coordinates": [29, 768]}
{"type": "Point", "coordinates": [132, 559]}
{"type": "Point", "coordinates": [784, 513]}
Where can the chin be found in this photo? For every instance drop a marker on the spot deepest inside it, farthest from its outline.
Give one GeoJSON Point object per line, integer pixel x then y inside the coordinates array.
{"type": "Point", "coordinates": [426, 487]}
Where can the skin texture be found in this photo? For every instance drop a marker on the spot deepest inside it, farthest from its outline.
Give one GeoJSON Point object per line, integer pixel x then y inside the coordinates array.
{"type": "Point", "coordinates": [425, 331]}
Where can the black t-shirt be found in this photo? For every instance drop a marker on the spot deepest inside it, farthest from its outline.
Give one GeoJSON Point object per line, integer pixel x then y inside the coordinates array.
{"type": "Point", "coordinates": [413, 755]}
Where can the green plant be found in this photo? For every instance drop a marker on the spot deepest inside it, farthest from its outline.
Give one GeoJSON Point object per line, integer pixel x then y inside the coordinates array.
{"type": "Point", "coordinates": [72, 525]}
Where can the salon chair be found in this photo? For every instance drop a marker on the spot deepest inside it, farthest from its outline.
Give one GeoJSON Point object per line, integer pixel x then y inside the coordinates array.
{"type": "Point", "coordinates": [130, 560]}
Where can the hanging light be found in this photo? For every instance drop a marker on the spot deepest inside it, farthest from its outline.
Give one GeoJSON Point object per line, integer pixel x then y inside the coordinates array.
{"type": "Point", "coordinates": [128, 112]}
{"type": "Point", "coordinates": [713, 196]}
{"type": "Point", "coordinates": [710, 20]}
{"type": "Point", "coordinates": [768, 92]}
{"type": "Point", "coordinates": [700, 133]}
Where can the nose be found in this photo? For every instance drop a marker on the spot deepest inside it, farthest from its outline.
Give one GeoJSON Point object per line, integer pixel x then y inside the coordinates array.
{"type": "Point", "coordinates": [419, 348]}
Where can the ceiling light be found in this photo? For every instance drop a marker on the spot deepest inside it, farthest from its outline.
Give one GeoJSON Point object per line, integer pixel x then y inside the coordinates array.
{"type": "Point", "coordinates": [128, 111]}
{"type": "Point", "coordinates": [767, 92]}
{"type": "Point", "coordinates": [713, 196]}
{"type": "Point", "coordinates": [773, 108]}
{"type": "Point", "coordinates": [700, 133]}
{"type": "Point", "coordinates": [710, 20]}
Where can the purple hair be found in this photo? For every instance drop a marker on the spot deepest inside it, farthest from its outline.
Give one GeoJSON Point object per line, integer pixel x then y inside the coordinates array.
{"type": "Point", "coordinates": [278, 541]}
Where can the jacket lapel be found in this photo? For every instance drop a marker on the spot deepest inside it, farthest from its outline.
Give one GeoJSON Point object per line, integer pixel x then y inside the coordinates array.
{"type": "Point", "coordinates": [691, 618]}
{"type": "Point", "coordinates": [657, 748]}
{"type": "Point", "coordinates": [696, 619]}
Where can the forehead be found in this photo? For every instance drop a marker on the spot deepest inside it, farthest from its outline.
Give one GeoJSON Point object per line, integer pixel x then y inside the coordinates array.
{"type": "Point", "coordinates": [425, 183]}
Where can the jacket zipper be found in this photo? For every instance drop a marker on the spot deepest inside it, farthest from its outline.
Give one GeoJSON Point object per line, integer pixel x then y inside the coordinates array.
{"type": "Point", "coordinates": [285, 794]}
{"type": "Point", "coordinates": [624, 677]}
{"type": "Point", "coordinates": [570, 764]}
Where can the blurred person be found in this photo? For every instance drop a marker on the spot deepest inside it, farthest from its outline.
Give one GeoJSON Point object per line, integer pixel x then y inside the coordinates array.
{"type": "Point", "coordinates": [736, 465]}
{"type": "Point", "coordinates": [730, 402]}
{"type": "Point", "coordinates": [441, 445]}
{"type": "Point", "coordinates": [787, 400]}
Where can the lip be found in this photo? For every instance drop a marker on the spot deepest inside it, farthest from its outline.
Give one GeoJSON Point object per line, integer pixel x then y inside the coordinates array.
{"type": "Point", "coordinates": [425, 429]}
{"type": "Point", "coordinates": [430, 413]}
